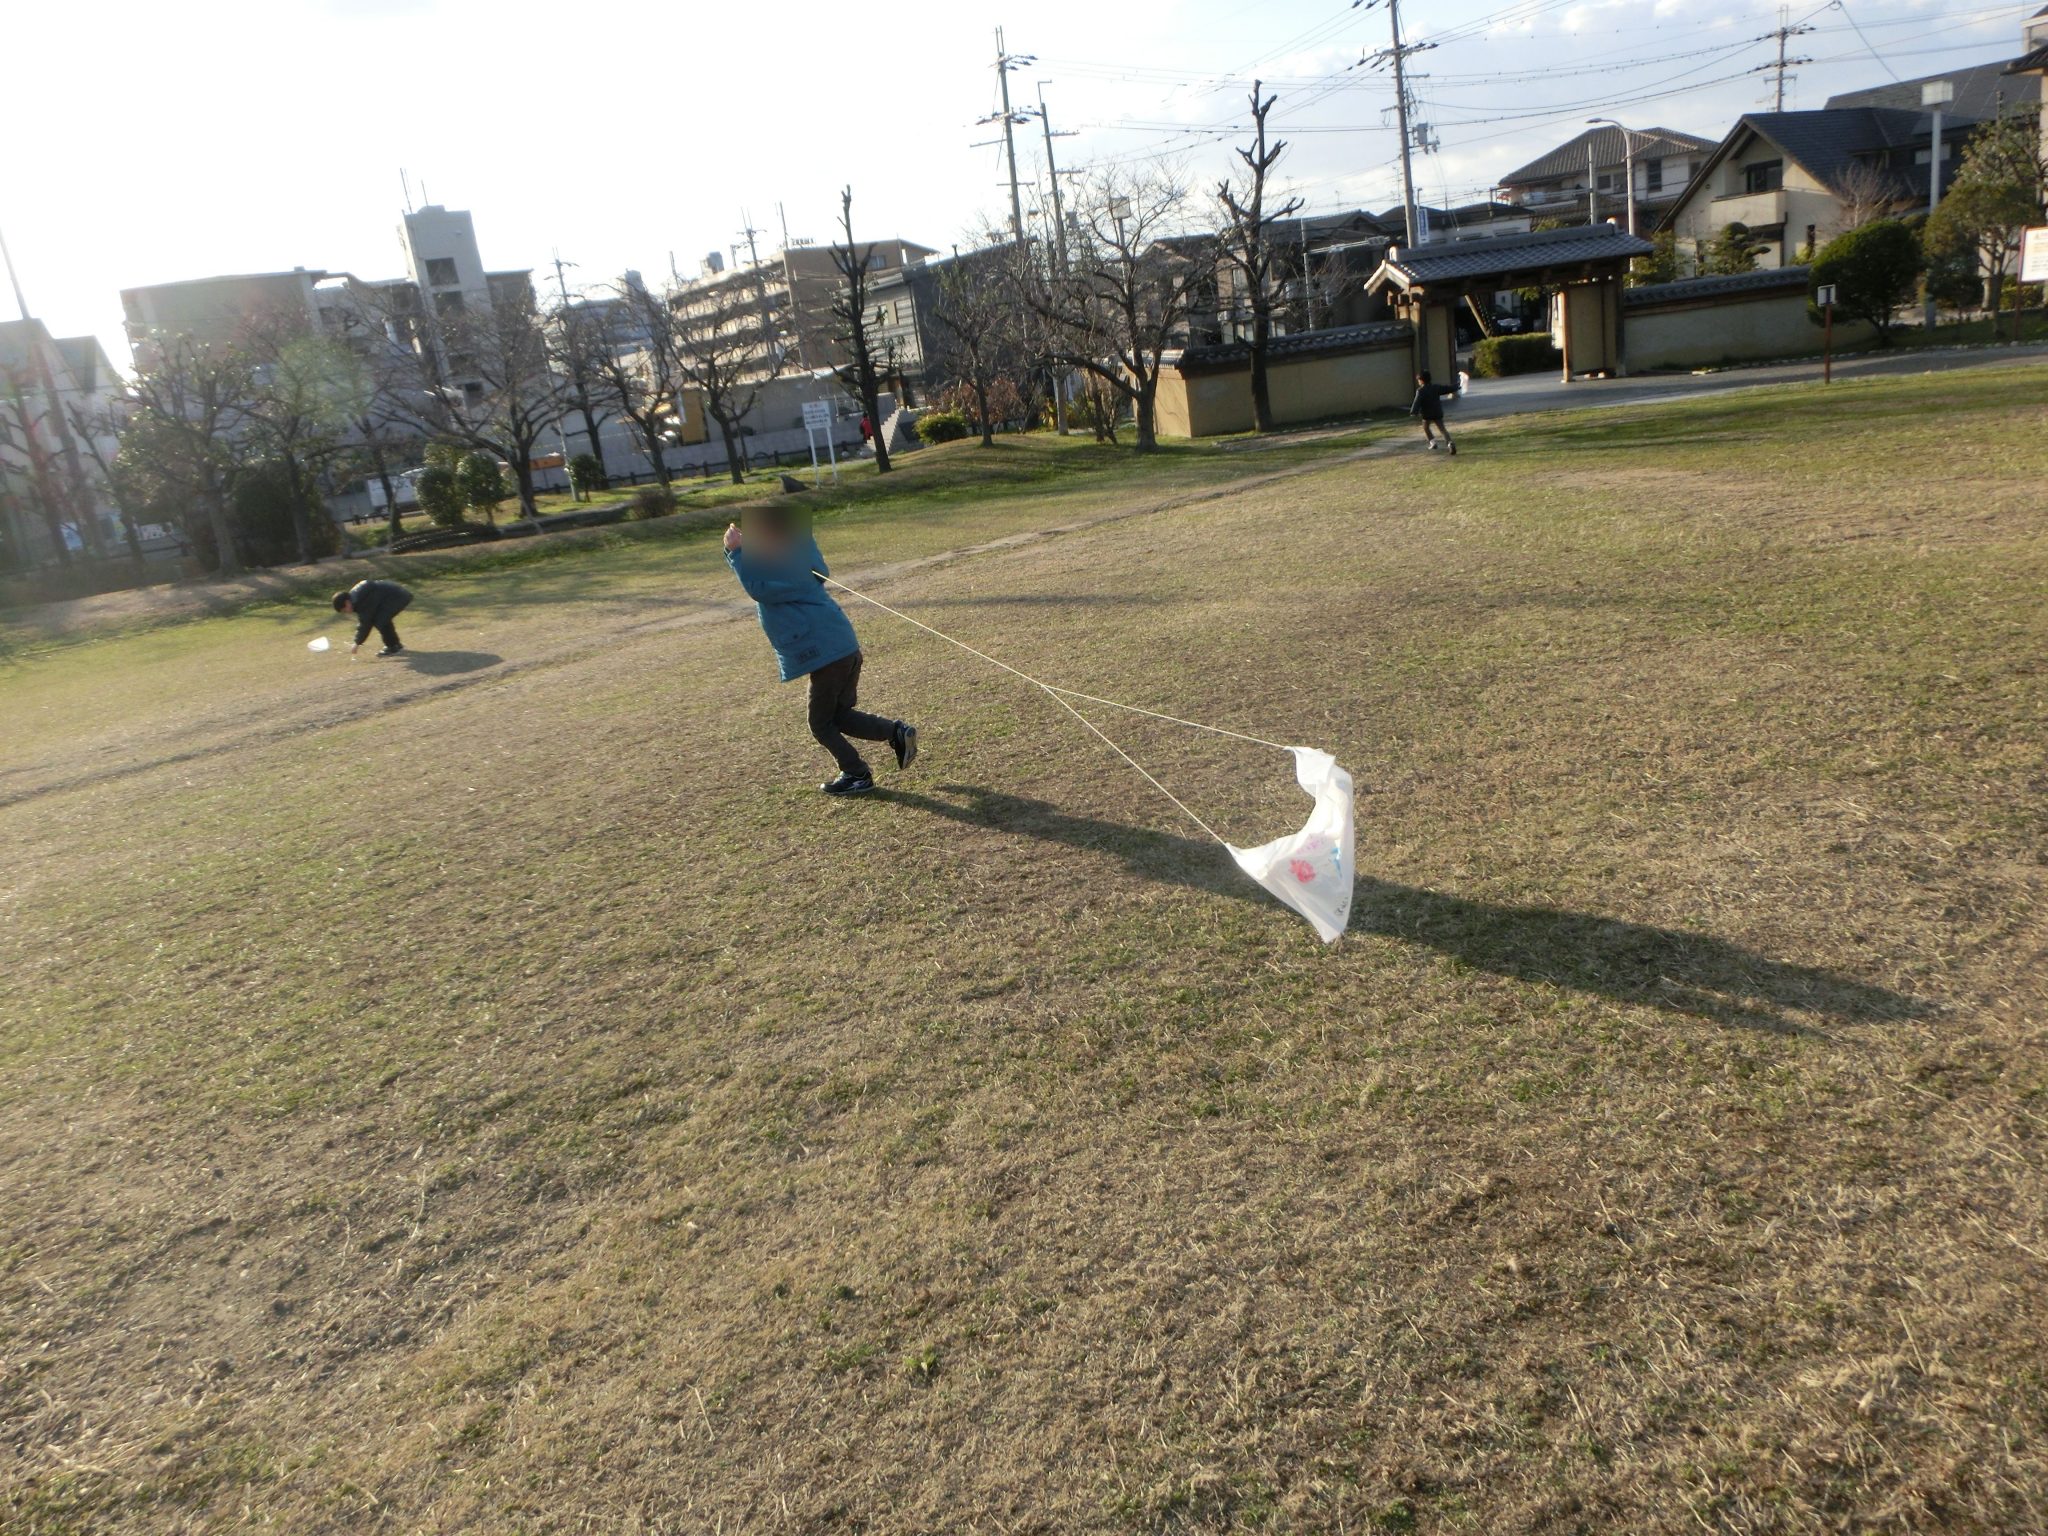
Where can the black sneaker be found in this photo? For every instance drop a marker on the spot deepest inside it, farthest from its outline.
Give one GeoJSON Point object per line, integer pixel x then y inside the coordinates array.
{"type": "Point", "coordinates": [392, 650]}
{"type": "Point", "coordinates": [849, 784]}
{"type": "Point", "coordinates": [904, 741]}
{"type": "Point", "coordinates": [1454, 450]}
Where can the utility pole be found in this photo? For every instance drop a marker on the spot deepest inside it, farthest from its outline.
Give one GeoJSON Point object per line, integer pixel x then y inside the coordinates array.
{"type": "Point", "coordinates": [1397, 55]}
{"type": "Point", "coordinates": [6, 255]}
{"type": "Point", "coordinates": [1005, 62]}
{"type": "Point", "coordinates": [1934, 96]}
{"type": "Point", "coordinates": [1052, 173]}
{"type": "Point", "coordinates": [1784, 33]}
{"type": "Point", "coordinates": [1058, 254]}
{"type": "Point", "coordinates": [760, 285]}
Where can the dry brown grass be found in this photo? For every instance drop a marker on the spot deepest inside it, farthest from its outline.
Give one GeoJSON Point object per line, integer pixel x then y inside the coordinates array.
{"type": "Point", "coordinates": [526, 1106]}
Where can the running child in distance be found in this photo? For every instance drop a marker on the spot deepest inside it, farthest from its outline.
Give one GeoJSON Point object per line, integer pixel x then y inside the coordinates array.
{"type": "Point", "coordinates": [1429, 405]}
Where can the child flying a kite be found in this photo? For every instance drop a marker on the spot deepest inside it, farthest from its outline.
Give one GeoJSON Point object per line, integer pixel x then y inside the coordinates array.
{"type": "Point", "coordinates": [779, 565]}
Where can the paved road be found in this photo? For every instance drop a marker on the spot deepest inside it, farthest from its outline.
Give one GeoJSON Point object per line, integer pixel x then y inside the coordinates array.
{"type": "Point", "coordinates": [1542, 392]}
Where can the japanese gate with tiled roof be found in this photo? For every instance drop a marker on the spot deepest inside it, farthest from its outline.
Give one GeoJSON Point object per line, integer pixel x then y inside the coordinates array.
{"type": "Point", "coordinates": [1583, 265]}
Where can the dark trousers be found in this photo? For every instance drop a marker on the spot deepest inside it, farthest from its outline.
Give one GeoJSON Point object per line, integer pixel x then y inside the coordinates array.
{"type": "Point", "coordinates": [1436, 423]}
{"type": "Point", "coordinates": [389, 632]}
{"type": "Point", "coordinates": [834, 689]}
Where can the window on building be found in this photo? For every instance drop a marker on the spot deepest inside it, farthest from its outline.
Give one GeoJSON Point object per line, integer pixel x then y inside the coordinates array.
{"type": "Point", "coordinates": [1653, 176]}
{"type": "Point", "coordinates": [1610, 181]}
{"type": "Point", "coordinates": [441, 271]}
{"type": "Point", "coordinates": [1764, 176]}
{"type": "Point", "coordinates": [449, 303]}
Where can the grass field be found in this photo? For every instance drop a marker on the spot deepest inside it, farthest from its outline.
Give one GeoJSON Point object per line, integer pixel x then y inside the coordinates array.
{"type": "Point", "coordinates": [498, 1093]}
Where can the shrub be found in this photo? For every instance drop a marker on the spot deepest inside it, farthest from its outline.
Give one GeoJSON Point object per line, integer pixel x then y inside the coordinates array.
{"type": "Point", "coordinates": [942, 426]}
{"type": "Point", "coordinates": [440, 496]}
{"type": "Point", "coordinates": [651, 501]}
{"type": "Point", "coordinates": [1875, 268]}
{"type": "Point", "coordinates": [1495, 357]}
{"type": "Point", "coordinates": [586, 474]}
{"type": "Point", "coordinates": [1732, 251]}
{"type": "Point", "coordinates": [483, 484]}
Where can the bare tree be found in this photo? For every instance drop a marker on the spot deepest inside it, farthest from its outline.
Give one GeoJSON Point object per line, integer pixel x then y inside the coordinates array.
{"type": "Point", "coordinates": [976, 309]}
{"type": "Point", "coordinates": [183, 438]}
{"type": "Point", "coordinates": [97, 429]}
{"type": "Point", "coordinates": [23, 422]}
{"type": "Point", "coordinates": [644, 384]}
{"type": "Point", "coordinates": [725, 353]}
{"type": "Point", "coordinates": [850, 307]}
{"type": "Point", "coordinates": [1246, 245]}
{"type": "Point", "coordinates": [1130, 287]}
{"type": "Point", "coordinates": [578, 338]}
{"type": "Point", "coordinates": [1867, 193]}
{"type": "Point", "coordinates": [506, 396]}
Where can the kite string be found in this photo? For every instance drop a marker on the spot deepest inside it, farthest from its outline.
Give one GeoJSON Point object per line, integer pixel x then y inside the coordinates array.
{"type": "Point", "coordinates": [1072, 693]}
{"type": "Point", "coordinates": [1056, 695]}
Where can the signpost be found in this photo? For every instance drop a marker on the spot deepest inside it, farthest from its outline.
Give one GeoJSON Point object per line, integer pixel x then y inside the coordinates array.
{"type": "Point", "coordinates": [2034, 255]}
{"type": "Point", "coordinates": [1824, 296]}
{"type": "Point", "coordinates": [817, 419]}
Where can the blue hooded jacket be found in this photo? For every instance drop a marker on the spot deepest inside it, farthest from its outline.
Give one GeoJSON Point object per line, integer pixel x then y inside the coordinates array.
{"type": "Point", "coordinates": [807, 629]}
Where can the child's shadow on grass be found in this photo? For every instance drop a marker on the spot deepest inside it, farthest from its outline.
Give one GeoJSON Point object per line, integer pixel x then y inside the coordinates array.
{"type": "Point", "coordinates": [448, 663]}
{"type": "Point", "coordinates": [1671, 968]}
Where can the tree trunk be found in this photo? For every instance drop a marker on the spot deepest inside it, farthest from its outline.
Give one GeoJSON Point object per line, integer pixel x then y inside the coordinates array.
{"type": "Point", "coordinates": [871, 402]}
{"type": "Point", "coordinates": [988, 430]}
{"type": "Point", "coordinates": [604, 479]}
{"type": "Point", "coordinates": [732, 455]}
{"type": "Point", "coordinates": [383, 472]}
{"type": "Point", "coordinates": [1141, 402]}
{"type": "Point", "coordinates": [1262, 400]}
{"type": "Point", "coordinates": [654, 452]}
{"type": "Point", "coordinates": [54, 520]}
{"type": "Point", "coordinates": [227, 559]}
{"type": "Point", "coordinates": [302, 525]}
{"type": "Point", "coordinates": [523, 473]}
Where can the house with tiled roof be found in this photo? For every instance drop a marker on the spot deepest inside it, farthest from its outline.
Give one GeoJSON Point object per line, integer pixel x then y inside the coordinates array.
{"type": "Point", "coordinates": [1582, 181]}
{"type": "Point", "coordinates": [1795, 180]}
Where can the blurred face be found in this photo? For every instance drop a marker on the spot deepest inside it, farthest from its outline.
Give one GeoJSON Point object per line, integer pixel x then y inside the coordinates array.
{"type": "Point", "coordinates": [768, 535]}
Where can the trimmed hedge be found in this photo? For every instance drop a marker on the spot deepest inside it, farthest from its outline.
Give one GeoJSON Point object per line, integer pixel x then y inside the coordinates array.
{"type": "Point", "coordinates": [1495, 357]}
{"type": "Point", "coordinates": [943, 427]}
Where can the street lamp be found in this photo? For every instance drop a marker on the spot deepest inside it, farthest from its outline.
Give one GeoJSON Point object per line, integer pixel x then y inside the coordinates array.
{"type": "Point", "coordinates": [1628, 162]}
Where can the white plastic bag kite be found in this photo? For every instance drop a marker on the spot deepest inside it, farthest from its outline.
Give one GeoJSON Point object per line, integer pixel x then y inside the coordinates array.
{"type": "Point", "coordinates": [1311, 870]}
{"type": "Point", "coordinates": [317, 643]}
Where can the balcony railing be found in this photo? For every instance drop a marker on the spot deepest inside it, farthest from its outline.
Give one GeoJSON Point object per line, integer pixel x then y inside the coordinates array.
{"type": "Point", "coordinates": [1755, 209]}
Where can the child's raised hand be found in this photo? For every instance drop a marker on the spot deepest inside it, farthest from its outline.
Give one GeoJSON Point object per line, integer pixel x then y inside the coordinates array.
{"type": "Point", "coordinates": [732, 535]}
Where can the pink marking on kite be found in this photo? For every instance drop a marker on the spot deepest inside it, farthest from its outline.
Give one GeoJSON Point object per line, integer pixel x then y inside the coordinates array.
{"type": "Point", "coordinates": [1304, 871]}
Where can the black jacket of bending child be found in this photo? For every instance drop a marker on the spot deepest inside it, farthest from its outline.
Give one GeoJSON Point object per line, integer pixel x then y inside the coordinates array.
{"type": "Point", "coordinates": [375, 604]}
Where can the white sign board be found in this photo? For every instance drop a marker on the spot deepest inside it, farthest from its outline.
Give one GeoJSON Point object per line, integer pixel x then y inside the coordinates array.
{"type": "Point", "coordinates": [2034, 255]}
{"type": "Point", "coordinates": [1824, 295]}
{"type": "Point", "coordinates": [818, 418]}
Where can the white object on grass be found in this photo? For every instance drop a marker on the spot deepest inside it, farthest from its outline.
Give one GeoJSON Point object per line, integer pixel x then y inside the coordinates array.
{"type": "Point", "coordinates": [317, 643]}
{"type": "Point", "coordinates": [1311, 870]}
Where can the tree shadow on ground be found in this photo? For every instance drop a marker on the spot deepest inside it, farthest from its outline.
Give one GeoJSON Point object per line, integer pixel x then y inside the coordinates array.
{"type": "Point", "coordinates": [448, 663]}
{"type": "Point", "coordinates": [1669, 968]}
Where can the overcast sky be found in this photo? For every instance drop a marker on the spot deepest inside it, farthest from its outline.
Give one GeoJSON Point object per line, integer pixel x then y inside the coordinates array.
{"type": "Point", "coordinates": [152, 142]}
